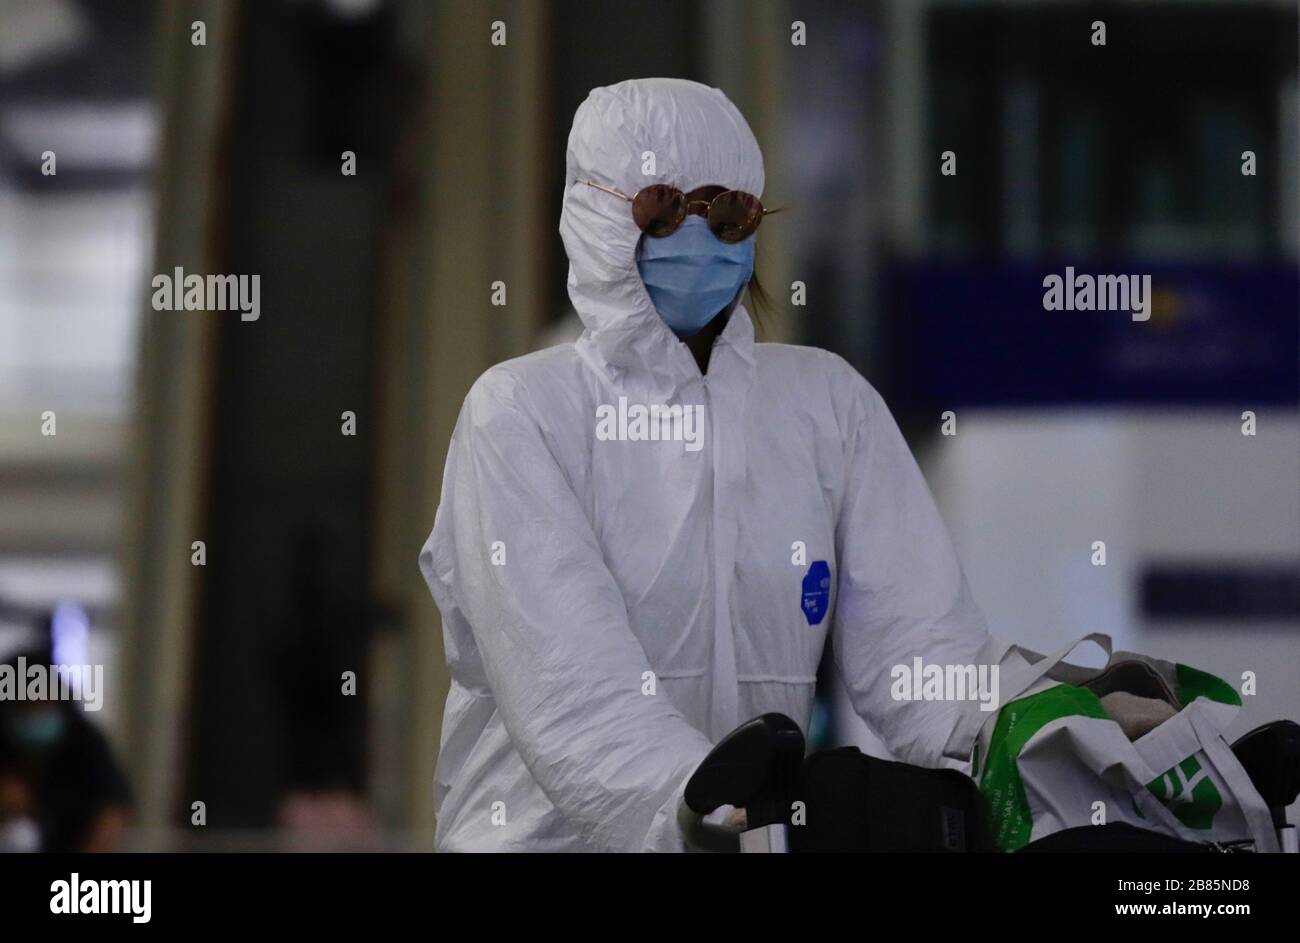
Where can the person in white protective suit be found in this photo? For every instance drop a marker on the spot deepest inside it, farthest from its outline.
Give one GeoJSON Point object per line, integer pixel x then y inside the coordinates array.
{"type": "Point", "coordinates": [616, 601]}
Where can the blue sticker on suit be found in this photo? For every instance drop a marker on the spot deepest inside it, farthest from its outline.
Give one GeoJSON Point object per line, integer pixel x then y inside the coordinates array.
{"type": "Point", "coordinates": [817, 592]}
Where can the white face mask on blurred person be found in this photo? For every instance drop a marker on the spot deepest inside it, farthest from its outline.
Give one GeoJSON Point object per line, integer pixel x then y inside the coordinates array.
{"type": "Point", "coordinates": [20, 836]}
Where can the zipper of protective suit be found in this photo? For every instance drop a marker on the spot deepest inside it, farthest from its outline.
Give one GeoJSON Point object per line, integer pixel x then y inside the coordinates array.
{"type": "Point", "coordinates": [724, 706]}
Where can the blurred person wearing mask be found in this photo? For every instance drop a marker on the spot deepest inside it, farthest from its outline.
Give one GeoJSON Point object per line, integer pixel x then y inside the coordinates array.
{"type": "Point", "coordinates": [60, 788]}
{"type": "Point", "coordinates": [613, 601]}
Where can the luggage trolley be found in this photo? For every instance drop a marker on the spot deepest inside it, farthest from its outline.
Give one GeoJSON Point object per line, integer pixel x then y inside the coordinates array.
{"type": "Point", "coordinates": [760, 767]}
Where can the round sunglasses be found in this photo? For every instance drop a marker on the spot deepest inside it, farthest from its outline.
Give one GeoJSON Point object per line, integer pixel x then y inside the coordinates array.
{"type": "Point", "coordinates": [659, 210]}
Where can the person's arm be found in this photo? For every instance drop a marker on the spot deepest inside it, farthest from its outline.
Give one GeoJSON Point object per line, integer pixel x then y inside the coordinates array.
{"type": "Point", "coordinates": [102, 782]}
{"type": "Point", "coordinates": [901, 592]}
{"type": "Point", "coordinates": [15, 797]}
{"type": "Point", "coordinates": [106, 829]}
{"type": "Point", "coordinates": [551, 629]}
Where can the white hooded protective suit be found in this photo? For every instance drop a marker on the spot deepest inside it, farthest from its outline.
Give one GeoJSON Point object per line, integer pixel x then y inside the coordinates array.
{"type": "Point", "coordinates": [612, 607]}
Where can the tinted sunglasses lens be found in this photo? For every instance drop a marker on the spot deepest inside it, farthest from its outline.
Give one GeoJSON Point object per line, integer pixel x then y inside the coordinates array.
{"type": "Point", "coordinates": [658, 210]}
{"type": "Point", "coordinates": [735, 215]}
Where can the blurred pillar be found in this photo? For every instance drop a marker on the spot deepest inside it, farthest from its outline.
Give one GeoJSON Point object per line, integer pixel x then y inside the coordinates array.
{"type": "Point", "coordinates": [903, 192]}
{"type": "Point", "coordinates": [1288, 175]}
{"type": "Point", "coordinates": [171, 429]}
{"type": "Point", "coordinates": [747, 46]}
{"type": "Point", "coordinates": [479, 218]}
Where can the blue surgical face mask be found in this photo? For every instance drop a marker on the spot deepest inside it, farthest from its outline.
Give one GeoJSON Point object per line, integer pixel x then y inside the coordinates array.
{"type": "Point", "coordinates": [37, 729]}
{"type": "Point", "coordinates": [692, 274]}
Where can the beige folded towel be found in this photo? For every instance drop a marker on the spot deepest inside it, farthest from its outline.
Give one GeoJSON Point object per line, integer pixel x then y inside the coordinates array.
{"type": "Point", "coordinates": [1135, 715]}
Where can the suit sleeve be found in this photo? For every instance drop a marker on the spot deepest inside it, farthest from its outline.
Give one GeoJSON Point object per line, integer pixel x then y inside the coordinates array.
{"type": "Point", "coordinates": [513, 553]}
{"type": "Point", "coordinates": [901, 591]}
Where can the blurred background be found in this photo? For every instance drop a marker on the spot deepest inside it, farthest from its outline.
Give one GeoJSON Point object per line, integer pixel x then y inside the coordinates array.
{"type": "Point", "coordinates": [226, 664]}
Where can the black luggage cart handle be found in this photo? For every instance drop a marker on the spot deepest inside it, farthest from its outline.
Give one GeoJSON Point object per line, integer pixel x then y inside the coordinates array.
{"type": "Point", "coordinates": [755, 768]}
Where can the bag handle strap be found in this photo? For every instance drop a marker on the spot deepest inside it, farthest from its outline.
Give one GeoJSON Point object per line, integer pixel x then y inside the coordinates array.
{"type": "Point", "coordinates": [1011, 684]}
{"type": "Point", "coordinates": [1253, 808]}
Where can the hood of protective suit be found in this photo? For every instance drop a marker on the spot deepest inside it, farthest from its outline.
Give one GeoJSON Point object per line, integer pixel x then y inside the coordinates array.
{"type": "Point", "coordinates": [629, 136]}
